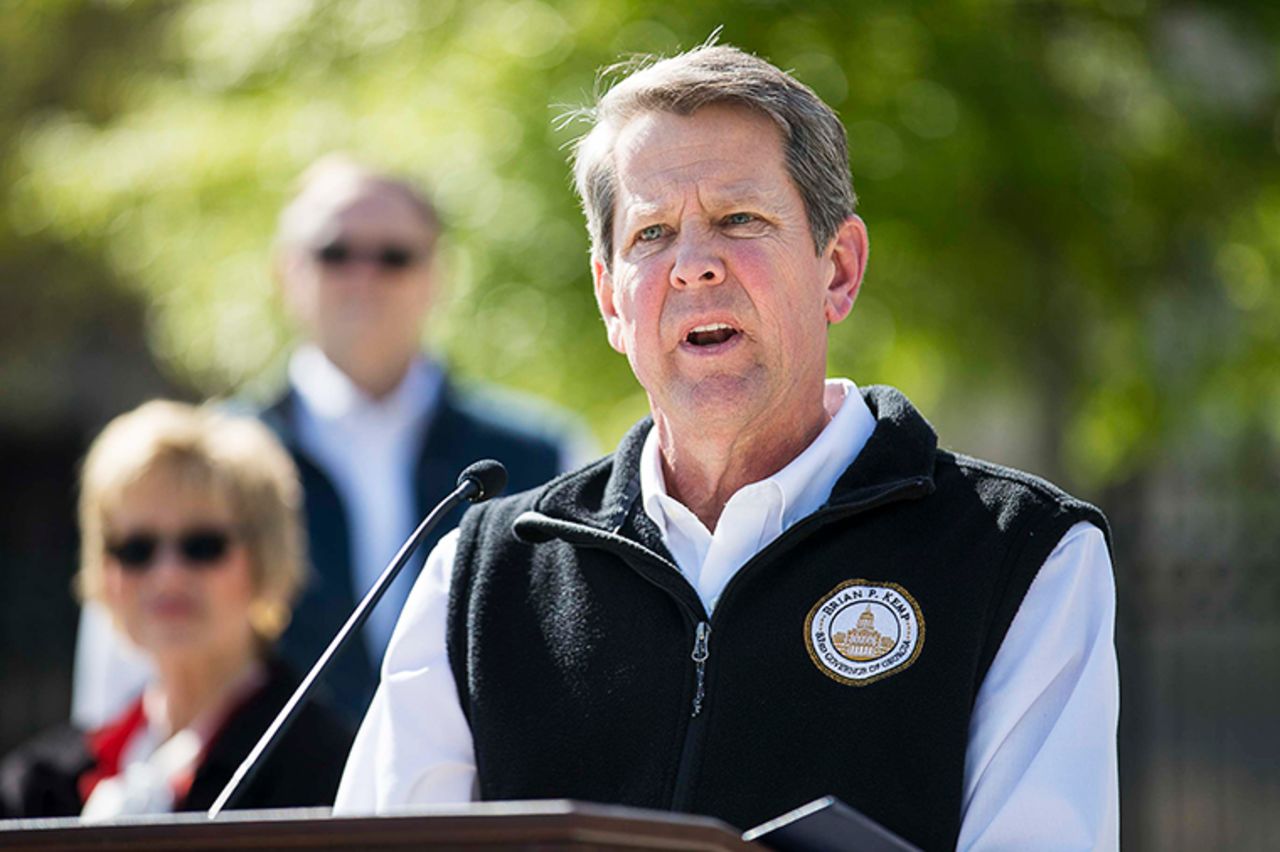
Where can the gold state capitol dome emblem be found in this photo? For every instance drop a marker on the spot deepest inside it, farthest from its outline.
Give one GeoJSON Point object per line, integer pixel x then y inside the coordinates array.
{"type": "Point", "coordinates": [863, 631]}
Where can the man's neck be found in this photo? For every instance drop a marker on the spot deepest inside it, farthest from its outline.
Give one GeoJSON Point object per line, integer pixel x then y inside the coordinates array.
{"type": "Point", "coordinates": [375, 377]}
{"type": "Point", "coordinates": [704, 467]}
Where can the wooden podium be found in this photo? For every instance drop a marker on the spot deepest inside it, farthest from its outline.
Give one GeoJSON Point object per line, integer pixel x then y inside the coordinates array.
{"type": "Point", "coordinates": [542, 825]}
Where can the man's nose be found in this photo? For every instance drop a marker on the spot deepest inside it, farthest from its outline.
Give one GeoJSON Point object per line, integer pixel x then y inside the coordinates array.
{"type": "Point", "coordinates": [361, 269]}
{"type": "Point", "coordinates": [697, 263]}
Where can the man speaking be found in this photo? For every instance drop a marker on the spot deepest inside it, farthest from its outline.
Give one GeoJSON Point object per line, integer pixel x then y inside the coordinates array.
{"type": "Point", "coordinates": [778, 587]}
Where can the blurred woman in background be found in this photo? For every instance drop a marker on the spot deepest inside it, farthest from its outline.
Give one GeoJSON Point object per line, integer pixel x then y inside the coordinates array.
{"type": "Point", "coordinates": [191, 538]}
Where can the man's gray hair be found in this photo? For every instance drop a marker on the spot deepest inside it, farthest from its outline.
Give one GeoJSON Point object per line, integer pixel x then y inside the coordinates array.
{"type": "Point", "coordinates": [817, 152]}
{"type": "Point", "coordinates": [337, 179]}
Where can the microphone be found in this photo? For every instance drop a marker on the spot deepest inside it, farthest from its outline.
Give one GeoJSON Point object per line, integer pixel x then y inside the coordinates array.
{"type": "Point", "coordinates": [479, 482]}
{"type": "Point", "coordinates": [487, 478]}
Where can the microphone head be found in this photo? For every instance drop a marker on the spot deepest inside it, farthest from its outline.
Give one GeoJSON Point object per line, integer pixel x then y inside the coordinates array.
{"type": "Point", "coordinates": [488, 477]}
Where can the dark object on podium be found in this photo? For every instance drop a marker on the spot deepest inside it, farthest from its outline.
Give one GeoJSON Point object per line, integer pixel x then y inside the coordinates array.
{"type": "Point", "coordinates": [486, 826]}
{"type": "Point", "coordinates": [827, 825]}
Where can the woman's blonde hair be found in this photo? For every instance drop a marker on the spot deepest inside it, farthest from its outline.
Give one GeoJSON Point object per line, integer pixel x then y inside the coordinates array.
{"type": "Point", "coordinates": [235, 458]}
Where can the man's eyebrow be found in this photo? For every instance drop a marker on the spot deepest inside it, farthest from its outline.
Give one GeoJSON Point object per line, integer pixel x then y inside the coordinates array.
{"type": "Point", "coordinates": [642, 207]}
{"type": "Point", "coordinates": [743, 193]}
{"type": "Point", "coordinates": [639, 209]}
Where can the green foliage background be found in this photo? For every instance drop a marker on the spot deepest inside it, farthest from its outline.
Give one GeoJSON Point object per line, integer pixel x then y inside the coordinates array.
{"type": "Point", "coordinates": [1074, 206]}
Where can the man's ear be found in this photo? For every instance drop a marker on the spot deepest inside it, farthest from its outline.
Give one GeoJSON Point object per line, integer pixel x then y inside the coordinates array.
{"type": "Point", "coordinates": [848, 253]}
{"type": "Point", "coordinates": [296, 299]}
{"type": "Point", "coordinates": [604, 300]}
{"type": "Point", "coordinates": [283, 270]}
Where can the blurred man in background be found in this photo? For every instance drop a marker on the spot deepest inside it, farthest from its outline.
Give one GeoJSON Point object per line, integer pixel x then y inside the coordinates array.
{"type": "Point", "coordinates": [377, 428]}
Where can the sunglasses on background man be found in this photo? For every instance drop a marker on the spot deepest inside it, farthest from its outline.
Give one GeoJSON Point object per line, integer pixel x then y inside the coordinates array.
{"type": "Point", "coordinates": [389, 257]}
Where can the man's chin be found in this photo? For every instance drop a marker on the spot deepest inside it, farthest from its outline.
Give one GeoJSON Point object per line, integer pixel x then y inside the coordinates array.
{"type": "Point", "coordinates": [717, 402]}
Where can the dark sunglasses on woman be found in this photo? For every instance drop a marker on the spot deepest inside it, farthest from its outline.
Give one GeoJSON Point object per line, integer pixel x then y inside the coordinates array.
{"type": "Point", "coordinates": [197, 548]}
{"type": "Point", "coordinates": [390, 257]}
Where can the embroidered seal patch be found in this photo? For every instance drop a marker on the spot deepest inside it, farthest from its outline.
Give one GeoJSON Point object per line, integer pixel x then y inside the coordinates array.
{"type": "Point", "coordinates": [862, 631]}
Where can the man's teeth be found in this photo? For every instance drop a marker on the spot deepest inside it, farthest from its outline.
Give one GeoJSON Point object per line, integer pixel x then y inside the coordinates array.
{"type": "Point", "coordinates": [710, 334]}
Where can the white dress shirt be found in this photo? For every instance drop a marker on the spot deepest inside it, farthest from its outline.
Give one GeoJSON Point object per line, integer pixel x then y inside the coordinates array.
{"type": "Point", "coordinates": [1040, 770]}
{"type": "Point", "coordinates": [369, 449]}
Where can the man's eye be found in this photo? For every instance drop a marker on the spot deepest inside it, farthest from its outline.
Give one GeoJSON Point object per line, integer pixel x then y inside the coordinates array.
{"type": "Point", "coordinates": [739, 219]}
{"type": "Point", "coordinates": [649, 234]}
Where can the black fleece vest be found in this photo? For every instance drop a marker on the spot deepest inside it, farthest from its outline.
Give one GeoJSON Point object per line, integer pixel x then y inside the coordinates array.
{"type": "Point", "coordinates": [589, 669]}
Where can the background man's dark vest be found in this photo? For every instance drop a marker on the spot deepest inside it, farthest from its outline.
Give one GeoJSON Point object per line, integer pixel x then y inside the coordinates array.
{"type": "Point", "coordinates": [459, 433]}
{"type": "Point", "coordinates": [572, 639]}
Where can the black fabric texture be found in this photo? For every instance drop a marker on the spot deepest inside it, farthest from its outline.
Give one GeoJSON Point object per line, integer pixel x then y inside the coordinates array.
{"type": "Point", "coordinates": [460, 432]}
{"type": "Point", "coordinates": [40, 778]}
{"type": "Point", "coordinates": [571, 637]}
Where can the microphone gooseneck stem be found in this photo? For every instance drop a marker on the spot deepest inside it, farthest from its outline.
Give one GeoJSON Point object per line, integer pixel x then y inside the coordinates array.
{"type": "Point", "coordinates": [468, 488]}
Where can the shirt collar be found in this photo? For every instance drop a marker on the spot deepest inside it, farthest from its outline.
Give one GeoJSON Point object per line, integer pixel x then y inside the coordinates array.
{"type": "Point", "coordinates": [328, 394]}
{"type": "Point", "coordinates": [804, 484]}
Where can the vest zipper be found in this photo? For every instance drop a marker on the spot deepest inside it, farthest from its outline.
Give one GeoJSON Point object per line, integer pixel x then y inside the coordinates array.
{"type": "Point", "coordinates": [623, 547]}
{"type": "Point", "coordinates": [691, 750]}
{"type": "Point", "coordinates": [700, 660]}
{"type": "Point", "coordinates": [628, 550]}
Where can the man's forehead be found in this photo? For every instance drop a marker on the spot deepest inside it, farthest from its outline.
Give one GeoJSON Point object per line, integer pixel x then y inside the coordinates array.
{"type": "Point", "coordinates": [653, 130]}
{"type": "Point", "coordinates": [357, 204]}
{"type": "Point", "coordinates": [733, 153]}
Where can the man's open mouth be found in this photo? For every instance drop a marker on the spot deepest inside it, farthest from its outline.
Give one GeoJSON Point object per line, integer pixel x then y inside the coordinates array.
{"type": "Point", "coordinates": [710, 334]}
